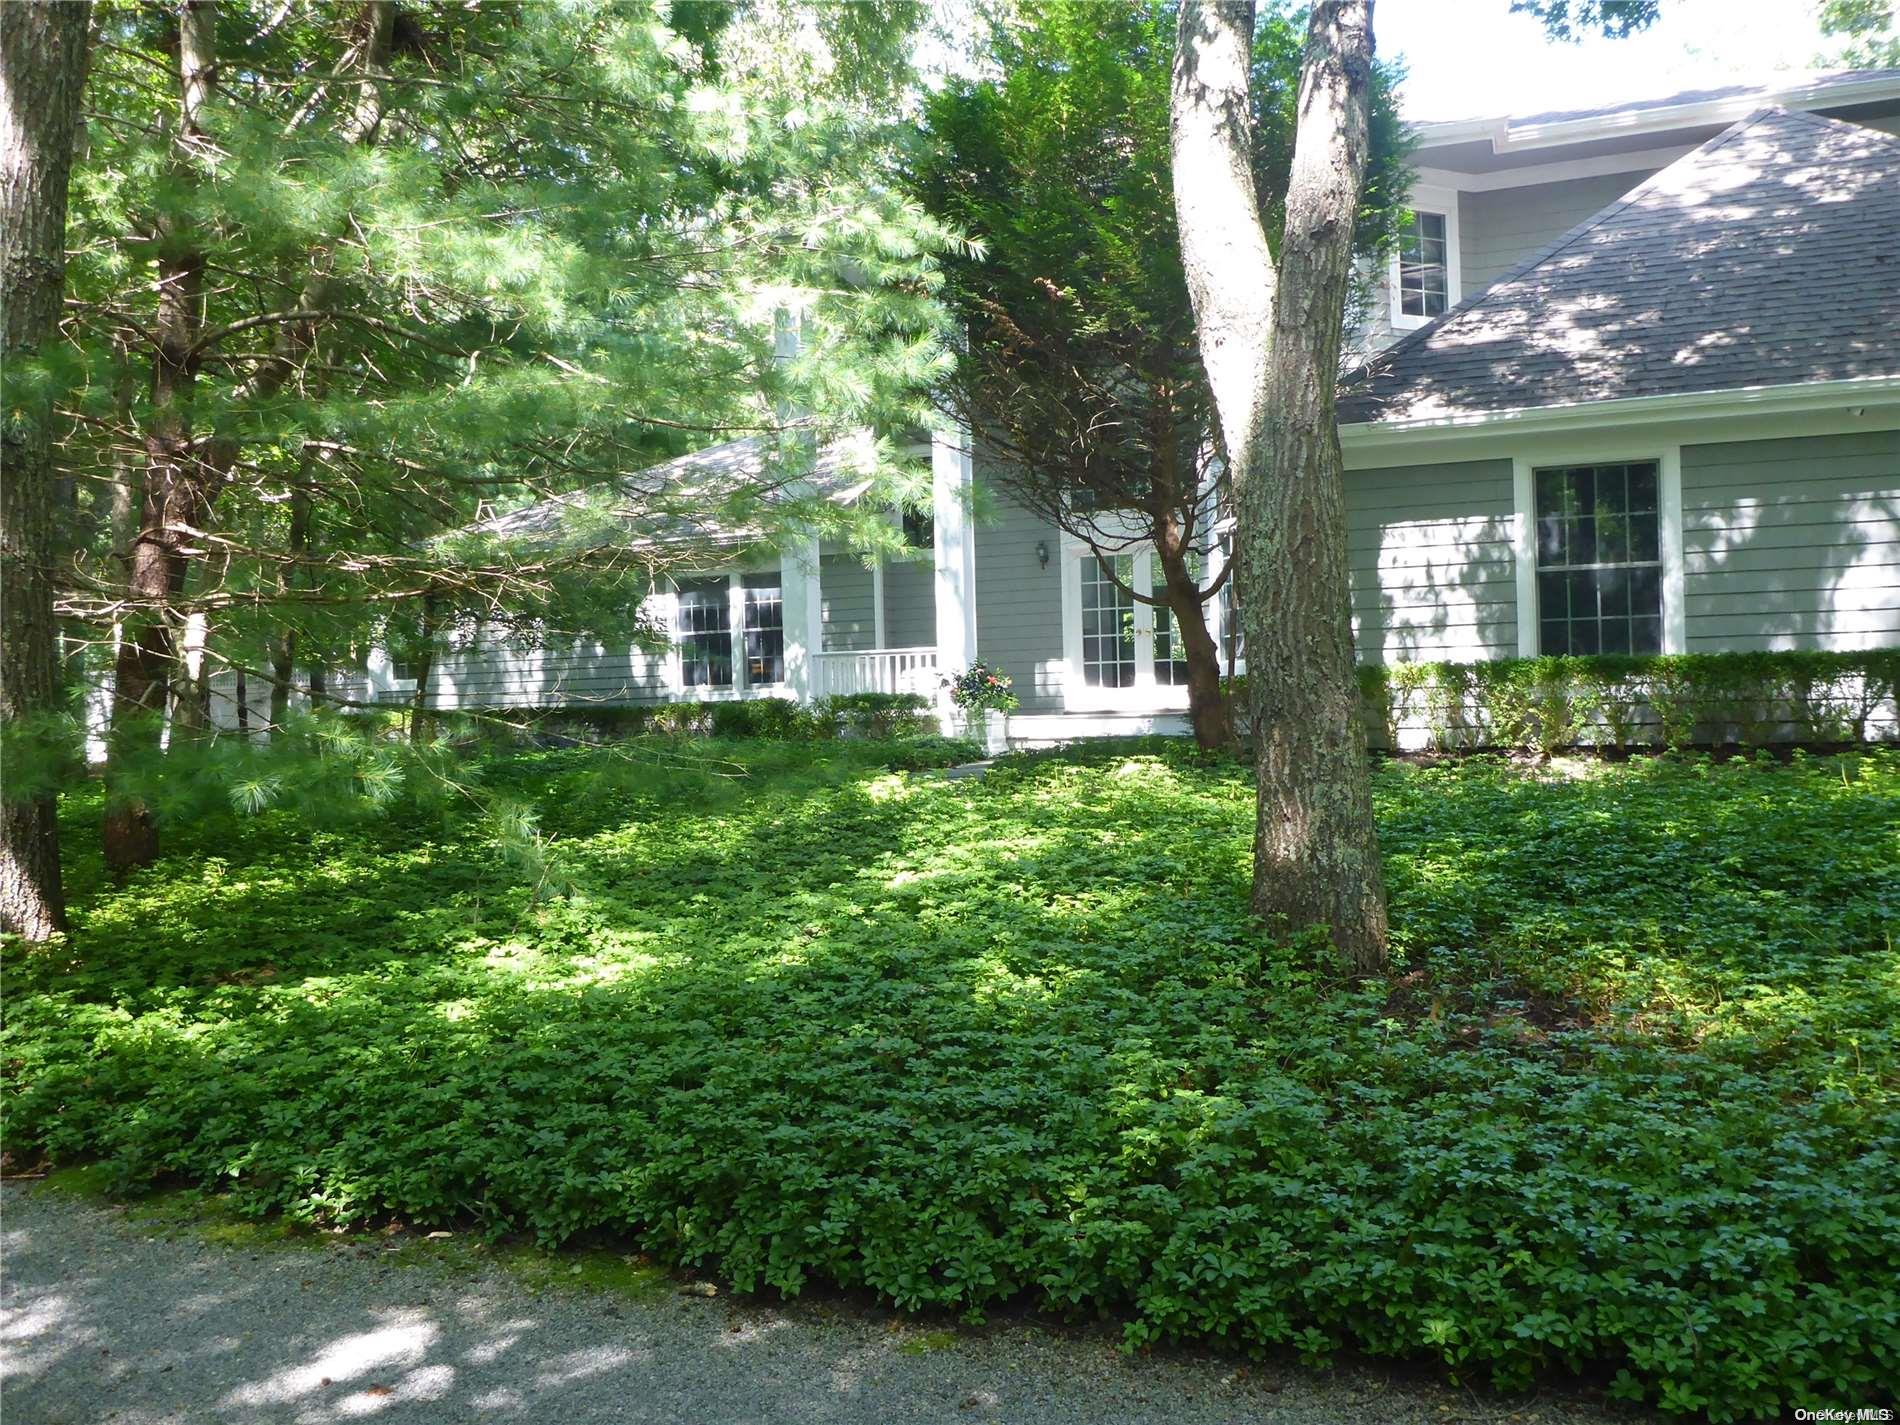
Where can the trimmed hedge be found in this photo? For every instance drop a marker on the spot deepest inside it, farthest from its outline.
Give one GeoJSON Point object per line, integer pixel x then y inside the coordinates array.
{"type": "Point", "coordinates": [1675, 701]}
{"type": "Point", "coordinates": [873, 715]}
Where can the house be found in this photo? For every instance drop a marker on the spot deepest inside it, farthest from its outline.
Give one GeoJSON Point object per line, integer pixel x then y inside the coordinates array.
{"type": "Point", "coordinates": [1633, 384]}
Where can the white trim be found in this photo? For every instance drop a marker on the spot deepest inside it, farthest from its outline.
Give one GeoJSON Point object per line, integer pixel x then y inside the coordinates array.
{"type": "Point", "coordinates": [1364, 440]}
{"type": "Point", "coordinates": [1428, 198]}
{"type": "Point", "coordinates": [1833, 92]}
{"type": "Point", "coordinates": [878, 622]}
{"type": "Point", "coordinates": [1524, 552]}
{"type": "Point", "coordinates": [1050, 729]}
{"type": "Point", "coordinates": [1675, 636]}
{"type": "Point", "coordinates": [1600, 165]}
{"type": "Point", "coordinates": [735, 632]}
{"type": "Point", "coordinates": [1611, 448]}
{"type": "Point", "coordinates": [1078, 694]}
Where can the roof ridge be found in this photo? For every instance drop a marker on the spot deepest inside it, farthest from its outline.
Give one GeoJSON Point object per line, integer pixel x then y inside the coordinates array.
{"type": "Point", "coordinates": [1537, 259]}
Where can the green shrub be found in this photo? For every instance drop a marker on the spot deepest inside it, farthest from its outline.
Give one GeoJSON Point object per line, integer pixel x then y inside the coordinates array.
{"type": "Point", "coordinates": [1628, 1101]}
{"type": "Point", "coordinates": [1678, 700]}
{"type": "Point", "coordinates": [881, 714]}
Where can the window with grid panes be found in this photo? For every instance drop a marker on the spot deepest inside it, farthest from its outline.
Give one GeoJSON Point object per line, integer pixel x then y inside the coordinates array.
{"type": "Point", "coordinates": [764, 629]}
{"type": "Point", "coordinates": [1424, 272]}
{"type": "Point", "coordinates": [1108, 624]}
{"type": "Point", "coordinates": [1599, 559]}
{"type": "Point", "coordinates": [1171, 669]}
{"type": "Point", "coordinates": [705, 634]}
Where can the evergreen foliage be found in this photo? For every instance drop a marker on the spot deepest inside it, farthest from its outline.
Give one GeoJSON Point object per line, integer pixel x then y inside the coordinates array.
{"type": "Point", "coordinates": [421, 265]}
{"type": "Point", "coordinates": [1081, 373]}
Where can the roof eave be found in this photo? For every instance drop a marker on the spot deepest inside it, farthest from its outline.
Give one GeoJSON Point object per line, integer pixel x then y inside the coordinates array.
{"type": "Point", "coordinates": [1508, 138]}
{"type": "Point", "coordinates": [1361, 437]}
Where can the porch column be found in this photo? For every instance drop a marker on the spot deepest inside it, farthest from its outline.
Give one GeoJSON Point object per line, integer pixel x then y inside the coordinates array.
{"type": "Point", "coordinates": [804, 615]}
{"type": "Point", "coordinates": [955, 548]}
{"type": "Point", "coordinates": [880, 626]}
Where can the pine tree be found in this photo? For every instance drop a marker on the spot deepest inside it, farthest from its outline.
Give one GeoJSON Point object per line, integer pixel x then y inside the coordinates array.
{"type": "Point", "coordinates": [414, 265]}
{"type": "Point", "coordinates": [42, 64]}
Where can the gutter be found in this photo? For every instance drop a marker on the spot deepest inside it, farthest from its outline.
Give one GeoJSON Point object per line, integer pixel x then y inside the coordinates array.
{"type": "Point", "coordinates": [1508, 138]}
{"type": "Point", "coordinates": [1851, 394]}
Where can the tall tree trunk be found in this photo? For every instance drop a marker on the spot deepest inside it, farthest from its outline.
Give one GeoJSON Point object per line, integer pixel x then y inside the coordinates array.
{"type": "Point", "coordinates": [1208, 712]}
{"type": "Point", "coordinates": [173, 501]}
{"type": "Point", "coordinates": [42, 75]}
{"type": "Point", "coordinates": [1276, 348]}
{"type": "Point", "coordinates": [283, 648]}
{"type": "Point", "coordinates": [421, 724]}
{"type": "Point", "coordinates": [182, 477]}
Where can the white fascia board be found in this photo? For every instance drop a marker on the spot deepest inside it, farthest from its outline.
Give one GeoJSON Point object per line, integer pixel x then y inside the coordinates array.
{"type": "Point", "coordinates": [1558, 170]}
{"type": "Point", "coordinates": [1369, 438]}
{"type": "Point", "coordinates": [1507, 137]}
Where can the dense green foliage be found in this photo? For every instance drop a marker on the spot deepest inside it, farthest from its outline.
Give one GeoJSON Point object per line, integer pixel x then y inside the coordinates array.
{"type": "Point", "coordinates": [840, 715]}
{"type": "Point", "coordinates": [485, 255]}
{"type": "Point", "coordinates": [1632, 700]}
{"type": "Point", "coordinates": [1627, 1102]}
{"type": "Point", "coordinates": [1082, 371]}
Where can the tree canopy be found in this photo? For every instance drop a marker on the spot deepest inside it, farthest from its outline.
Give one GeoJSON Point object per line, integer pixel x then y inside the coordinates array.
{"type": "Point", "coordinates": [347, 278]}
{"type": "Point", "coordinates": [1080, 368]}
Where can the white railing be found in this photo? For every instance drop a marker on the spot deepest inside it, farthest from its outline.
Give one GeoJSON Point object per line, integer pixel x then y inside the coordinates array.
{"type": "Point", "coordinates": [876, 670]}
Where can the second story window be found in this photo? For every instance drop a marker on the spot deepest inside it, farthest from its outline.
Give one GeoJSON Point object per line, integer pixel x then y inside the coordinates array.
{"type": "Point", "coordinates": [1424, 266]}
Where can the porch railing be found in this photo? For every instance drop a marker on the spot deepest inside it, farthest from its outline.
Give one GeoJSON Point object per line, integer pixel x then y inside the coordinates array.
{"type": "Point", "coordinates": [875, 670]}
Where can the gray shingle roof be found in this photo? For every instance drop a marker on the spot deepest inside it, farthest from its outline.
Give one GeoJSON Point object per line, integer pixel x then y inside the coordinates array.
{"type": "Point", "coordinates": [693, 498]}
{"type": "Point", "coordinates": [1769, 256]}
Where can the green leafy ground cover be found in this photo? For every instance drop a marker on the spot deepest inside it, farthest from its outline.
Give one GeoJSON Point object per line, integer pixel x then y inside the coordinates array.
{"type": "Point", "coordinates": [1626, 1106]}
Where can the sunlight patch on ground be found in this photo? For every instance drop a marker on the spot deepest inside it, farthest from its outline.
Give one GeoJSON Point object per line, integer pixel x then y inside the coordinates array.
{"type": "Point", "coordinates": [403, 1343]}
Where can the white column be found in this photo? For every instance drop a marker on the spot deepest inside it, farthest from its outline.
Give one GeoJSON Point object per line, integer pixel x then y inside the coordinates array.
{"type": "Point", "coordinates": [955, 552]}
{"type": "Point", "coordinates": [1524, 554]}
{"type": "Point", "coordinates": [955, 548]}
{"type": "Point", "coordinates": [735, 630]}
{"type": "Point", "coordinates": [880, 634]}
{"type": "Point", "coordinates": [1675, 630]}
{"type": "Point", "coordinates": [804, 613]}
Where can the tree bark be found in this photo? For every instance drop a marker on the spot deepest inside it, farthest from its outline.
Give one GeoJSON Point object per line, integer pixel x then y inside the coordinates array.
{"type": "Point", "coordinates": [182, 477]}
{"type": "Point", "coordinates": [421, 723]}
{"type": "Point", "coordinates": [175, 496]}
{"type": "Point", "coordinates": [42, 75]}
{"type": "Point", "coordinates": [1316, 858]}
{"type": "Point", "coordinates": [1182, 596]}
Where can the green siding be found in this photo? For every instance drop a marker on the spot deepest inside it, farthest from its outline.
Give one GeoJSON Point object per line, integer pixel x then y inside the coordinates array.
{"type": "Point", "coordinates": [1792, 543]}
{"type": "Point", "coordinates": [1432, 569]}
{"type": "Point", "coordinates": [1499, 229]}
{"type": "Point", "coordinates": [844, 587]}
{"type": "Point", "coordinates": [1019, 603]}
{"type": "Point", "coordinates": [910, 601]}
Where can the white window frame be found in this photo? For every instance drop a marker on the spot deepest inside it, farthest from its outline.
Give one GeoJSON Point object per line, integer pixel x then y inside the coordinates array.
{"type": "Point", "coordinates": [741, 686]}
{"type": "Point", "coordinates": [1145, 695]}
{"type": "Point", "coordinates": [1524, 465]}
{"type": "Point", "coordinates": [1428, 198]}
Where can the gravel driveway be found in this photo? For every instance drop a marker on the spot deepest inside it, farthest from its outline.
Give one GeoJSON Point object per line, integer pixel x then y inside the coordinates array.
{"type": "Point", "coordinates": [110, 1317]}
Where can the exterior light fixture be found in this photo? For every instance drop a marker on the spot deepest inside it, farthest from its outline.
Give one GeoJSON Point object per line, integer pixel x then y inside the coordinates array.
{"type": "Point", "coordinates": [1042, 553]}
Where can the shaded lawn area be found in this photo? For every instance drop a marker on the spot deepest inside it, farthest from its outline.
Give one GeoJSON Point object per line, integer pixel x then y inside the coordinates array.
{"type": "Point", "coordinates": [1626, 1104]}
